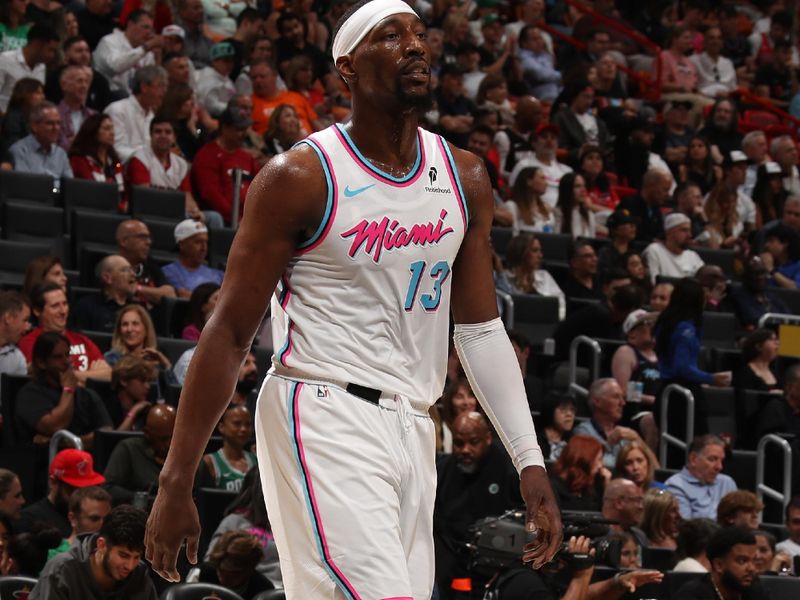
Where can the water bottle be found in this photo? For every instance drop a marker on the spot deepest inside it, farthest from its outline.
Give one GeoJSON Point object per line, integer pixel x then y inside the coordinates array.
{"type": "Point", "coordinates": [635, 389]}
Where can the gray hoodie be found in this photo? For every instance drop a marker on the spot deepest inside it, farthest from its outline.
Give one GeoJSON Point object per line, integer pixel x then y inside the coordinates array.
{"type": "Point", "coordinates": [68, 576]}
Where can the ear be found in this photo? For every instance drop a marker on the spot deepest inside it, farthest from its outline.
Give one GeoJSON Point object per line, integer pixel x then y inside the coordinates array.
{"type": "Point", "coordinates": [344, 64]}
{"type": "Point", "coordinates": [101, 544]}
{"type": "Point", "coordinates": [71, 518]}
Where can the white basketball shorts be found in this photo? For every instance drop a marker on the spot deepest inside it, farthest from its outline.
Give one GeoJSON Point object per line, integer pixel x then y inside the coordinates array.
{"type": "Point", "coordinates": [350, 487]}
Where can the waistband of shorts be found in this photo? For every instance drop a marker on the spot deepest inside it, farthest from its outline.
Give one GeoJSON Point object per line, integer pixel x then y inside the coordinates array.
{"type": "Point", "coordinates": [385, 400]}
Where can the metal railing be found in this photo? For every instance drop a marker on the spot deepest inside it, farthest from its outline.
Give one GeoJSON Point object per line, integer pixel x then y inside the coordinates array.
{"type": "Point", "coordinates": [508, 308]}
{"type": "Point", "coordinates": [667, 439]}
{"type": "Point", "coordinates": [763, 489]}
{"type": "Point", "coordinates": [778, 318]}
{"type": "Point", "coordinates": [63, 435]}
{"type": "Point", "coordinates": [594, 345]}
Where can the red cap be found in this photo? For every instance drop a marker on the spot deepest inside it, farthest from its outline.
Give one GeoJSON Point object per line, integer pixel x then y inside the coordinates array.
{"type": "Point", "coordinates": [76, 468]}
{"type": "Point", "coordinates": [542, 127]}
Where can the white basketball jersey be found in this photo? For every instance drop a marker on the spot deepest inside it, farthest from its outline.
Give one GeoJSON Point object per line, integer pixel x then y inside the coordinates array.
{"type": "Point", "coordinates": [366, 299]}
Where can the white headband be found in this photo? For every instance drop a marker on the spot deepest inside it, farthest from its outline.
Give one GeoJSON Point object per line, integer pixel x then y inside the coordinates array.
{"type": "Point", "coordinates": [361, 22]}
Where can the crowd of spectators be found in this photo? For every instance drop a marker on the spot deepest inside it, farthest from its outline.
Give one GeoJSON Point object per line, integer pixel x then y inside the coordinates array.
{"type": "Point", "coordinates": [645, 168]}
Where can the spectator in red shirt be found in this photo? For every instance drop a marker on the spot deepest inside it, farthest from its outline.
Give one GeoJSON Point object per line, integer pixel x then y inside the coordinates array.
{"type": "Point", "coordinates": [51, 308]}
{"type": "Point", "coordinates": [92, 155]}
{"type": "Point", "coordinates": [157, 166]}
{"type": "Point", "coordinates": [213, 165]}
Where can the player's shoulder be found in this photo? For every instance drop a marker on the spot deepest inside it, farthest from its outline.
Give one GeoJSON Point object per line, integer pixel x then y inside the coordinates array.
{"type": "Point", "coordinates": [471, 169]}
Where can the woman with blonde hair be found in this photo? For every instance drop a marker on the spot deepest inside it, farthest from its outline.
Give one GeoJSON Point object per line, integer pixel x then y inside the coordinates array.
{"type": "Point", "coordinates": [724, 226]}
{"type": "Point", "coordinates": [637, 462]}
{"type": "Point", "coordinates": [135, 335]}
{"type": "Point", "coordinates": [661, 519]}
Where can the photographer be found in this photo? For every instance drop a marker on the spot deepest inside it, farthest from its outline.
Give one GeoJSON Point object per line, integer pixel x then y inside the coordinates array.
{"type": "Point", "coordinates": [523, 583]}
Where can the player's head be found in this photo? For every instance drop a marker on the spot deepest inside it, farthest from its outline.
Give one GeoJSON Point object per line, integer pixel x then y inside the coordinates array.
{"type": "Point", "coordinates": [380, 50]}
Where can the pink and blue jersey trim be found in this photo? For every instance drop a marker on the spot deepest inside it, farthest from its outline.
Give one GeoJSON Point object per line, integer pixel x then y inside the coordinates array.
{"type": "Point", "coordinates": [452, 171]}
{"type": "Point", "coordinates": [308, 492]}
{"type": "Point", "coordinates": [330, 207]}
{"type": "Point", "coordinates": [371, 169]}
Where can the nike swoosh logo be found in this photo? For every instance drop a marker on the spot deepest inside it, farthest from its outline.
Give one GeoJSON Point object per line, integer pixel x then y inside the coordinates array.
{"type": "Point", "coordinates": [350, 193]}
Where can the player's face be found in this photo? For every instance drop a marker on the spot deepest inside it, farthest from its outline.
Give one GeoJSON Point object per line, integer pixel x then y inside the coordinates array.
{"type": "Point", "coordinates": [394, 62]}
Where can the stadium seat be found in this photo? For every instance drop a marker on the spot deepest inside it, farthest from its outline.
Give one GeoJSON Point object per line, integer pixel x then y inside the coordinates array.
{"type": "Point", "coordinates": [501, 236]}
{"type": "Point", "coordinates": [10, 385]}
{"type": "Point", "coordinates": [219, 245]}
{"type": "Point", "coordinates": [675, 581]}
{"type": "Point", "coordinates": [790, 297]}
{"type": "Point", "coordinates": [722, 258]}
{"type": "Point", "coordinates": [211, 505]}
{"type": "Point", "coordinates": [535, 316]}
{"type": "Point", "coordinates": [663, 474]}
{"type": "Point", "coordinates": [101, 338]}
{"type": "Point", "coordinates": [16, 586]}
{"type": "Point", "coordinates": [173, 348]}
{"type": "Point", "coordinates": [661, 559]}
{"type": "Point", "coordinates": [725, 359]}
{"type": "Point", "coordinates": [169, 317]}
{"type": "Point", "coordinates": [95, 229]}
{"type": "Point", "coordinates": [555, 246]}
{"type": "Point", "coordinates": [270, 595]}
{"type": "Point", "coordinates": [15, 256]}
{"type": "Point", "coordinates": [720, 404]}
{"type": "Point", "coordinates": [719, 329]}
{"type": "Point", "coordinates": [741, 465]}
{"type": "Point", "coordinates": [29, 187]}
{"type": "Point", "coordinates": [84, 194]}
{"type": "Point", "coordinates": [105, 440]}
{"type": "Point", "coordinates": [29, 222]}
{"type": "Point", "coordinates": [198, 591]}
{"type": "Point", "coordinates": [163, 235]}
{"type": "Point", "coordinates": [147, 203]}
{"type": "Point", "coordinates": [781, 587]}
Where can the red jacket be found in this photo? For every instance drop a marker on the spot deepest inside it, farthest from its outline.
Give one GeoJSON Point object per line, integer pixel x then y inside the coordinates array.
{"type": "Point", "coordinates": [212, 177]}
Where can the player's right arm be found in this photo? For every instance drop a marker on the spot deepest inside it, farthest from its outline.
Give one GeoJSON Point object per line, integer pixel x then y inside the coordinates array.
{"type": "Point", "coordinates": [285, 202]}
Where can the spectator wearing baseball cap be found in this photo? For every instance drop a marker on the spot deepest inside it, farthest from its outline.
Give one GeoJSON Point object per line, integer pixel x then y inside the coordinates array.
{"type": "Point", "coordinates": [71, 469]}
{"type": "Point", "coordinates": [213, 165]}
{"type": "Point", "coordinates": [190, 270]}
{"type": "Point", "coordinates": [545, 145]}
{"type": "Point", "coordinates": [672, 257]}
{"type": "Point", "coordinates": [214, 85]}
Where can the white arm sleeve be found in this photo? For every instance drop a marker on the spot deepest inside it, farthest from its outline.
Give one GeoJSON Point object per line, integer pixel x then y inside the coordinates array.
{"type": "Point", "coordinates": [493, 371]}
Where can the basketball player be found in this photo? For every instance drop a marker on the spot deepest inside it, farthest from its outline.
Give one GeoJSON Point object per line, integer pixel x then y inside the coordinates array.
{"type": "Point", "coordinates": [362, 231]}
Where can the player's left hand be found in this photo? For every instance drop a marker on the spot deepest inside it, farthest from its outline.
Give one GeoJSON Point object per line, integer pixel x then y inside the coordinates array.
{"type": "Point", "coordinates": [543, 517]}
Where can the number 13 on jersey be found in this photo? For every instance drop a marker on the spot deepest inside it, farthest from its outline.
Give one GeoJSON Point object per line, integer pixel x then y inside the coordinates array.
{"type": "Point", "coordinates": [429, 301]}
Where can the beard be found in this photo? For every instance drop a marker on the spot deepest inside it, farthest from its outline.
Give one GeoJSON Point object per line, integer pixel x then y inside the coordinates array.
{"type": "Point", "coordinates": [732, 583]}
{"type": "Point", "coordinates": [467, 468]}
{"type": "Point", "coordinates": [246, 385]}
{"type": "Point", "coordinates": [421, 103]}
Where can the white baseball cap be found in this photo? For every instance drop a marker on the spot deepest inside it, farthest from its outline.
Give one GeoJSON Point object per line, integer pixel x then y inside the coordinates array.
{"type": "Point", "coordinates": [187, 228]}
{"type": "Point", "coordinates": [675, 219]}
{"type": "Point", "coordinates": [635, 319]}
{"type": "Point", "coordinates": [175, 30]}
